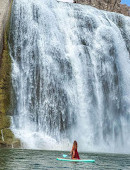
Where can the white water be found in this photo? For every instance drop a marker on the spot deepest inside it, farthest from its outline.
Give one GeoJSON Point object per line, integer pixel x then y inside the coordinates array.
{"type": "Point", "coordinates": [66, 1]}
{"type": "Point", "coordinates": [2, 136]}
{"type": "Point", "coordinates": [71, 76]}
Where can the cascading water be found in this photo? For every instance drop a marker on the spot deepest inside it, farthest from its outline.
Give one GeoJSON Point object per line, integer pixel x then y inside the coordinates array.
{"type": "Point", "coordinates": [71, 76]}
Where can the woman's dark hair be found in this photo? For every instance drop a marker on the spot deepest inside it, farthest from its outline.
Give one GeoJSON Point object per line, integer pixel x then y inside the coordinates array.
{"type": "Point", "coordinates": [75, 145]}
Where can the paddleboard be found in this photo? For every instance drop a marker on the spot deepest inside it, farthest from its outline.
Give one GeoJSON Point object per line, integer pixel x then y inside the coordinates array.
{"type": "Point", "coordinates": [75, 160]}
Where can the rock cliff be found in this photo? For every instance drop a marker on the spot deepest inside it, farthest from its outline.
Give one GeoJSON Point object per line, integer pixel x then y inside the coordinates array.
{"type": "Point", "coordinates": [7, 138]}
{"type": "Point", "coordinates": [109, 5]}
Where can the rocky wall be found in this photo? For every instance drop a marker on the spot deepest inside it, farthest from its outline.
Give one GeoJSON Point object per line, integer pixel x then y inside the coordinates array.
{"type": "Point", "coordinates": [108, 5]}
{"type": "Point", "coordinates": [7, 138]}
{"type": "Point", "coordinates": [4, 9]}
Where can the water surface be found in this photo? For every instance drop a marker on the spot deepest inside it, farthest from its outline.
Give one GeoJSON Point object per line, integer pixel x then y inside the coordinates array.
{"type": "Point", "coordinates": [19, 159]}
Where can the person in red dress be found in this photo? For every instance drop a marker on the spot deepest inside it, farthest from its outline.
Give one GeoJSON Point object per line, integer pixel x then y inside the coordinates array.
{"type": "Point", "coordinates": [74, 152]}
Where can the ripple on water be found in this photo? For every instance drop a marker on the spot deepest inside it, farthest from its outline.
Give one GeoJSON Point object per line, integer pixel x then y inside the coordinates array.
{"type": "Point", "coordinates": [23, 159]}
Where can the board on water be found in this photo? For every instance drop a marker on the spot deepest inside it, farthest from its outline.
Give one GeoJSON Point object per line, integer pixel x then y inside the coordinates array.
{"type": "Point", "coordinates": [75, 160]}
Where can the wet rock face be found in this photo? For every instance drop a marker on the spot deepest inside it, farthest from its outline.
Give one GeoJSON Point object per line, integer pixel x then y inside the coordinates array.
{"type": "Point", "coordinates": [109, 5]}
{"type": "Point", "coordinates": [7, 138]}
{"type": "Point", "coordinates": [4, 8]}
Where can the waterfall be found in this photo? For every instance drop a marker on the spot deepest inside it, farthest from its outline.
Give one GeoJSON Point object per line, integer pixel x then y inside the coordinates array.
{"type": "Point", "coordinates": [70, 75]}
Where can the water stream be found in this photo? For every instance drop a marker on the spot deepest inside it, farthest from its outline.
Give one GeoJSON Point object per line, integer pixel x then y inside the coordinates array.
{"type": "Point", "coordinates": [2, 136]}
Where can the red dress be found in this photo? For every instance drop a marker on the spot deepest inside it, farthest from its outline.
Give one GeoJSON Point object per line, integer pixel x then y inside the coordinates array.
{"type": "Point", "coordinates": [76, 156]}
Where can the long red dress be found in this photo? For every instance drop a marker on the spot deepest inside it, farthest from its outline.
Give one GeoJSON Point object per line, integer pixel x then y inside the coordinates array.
{"type": "Point", "coordinates": [76, 156]}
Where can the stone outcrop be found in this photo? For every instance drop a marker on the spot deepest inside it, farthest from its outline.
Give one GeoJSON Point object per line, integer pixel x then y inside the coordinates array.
{"type": "Point", "coordinates": [108, 5]}
{"type": "Point", "coordinates": [4, 9]}
{"type": "Point", "coordinates": [7, 138]}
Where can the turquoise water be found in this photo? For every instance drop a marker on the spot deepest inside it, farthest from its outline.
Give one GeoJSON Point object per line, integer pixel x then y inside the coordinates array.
{"type": "Point", "coordinates": [21, 159]}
